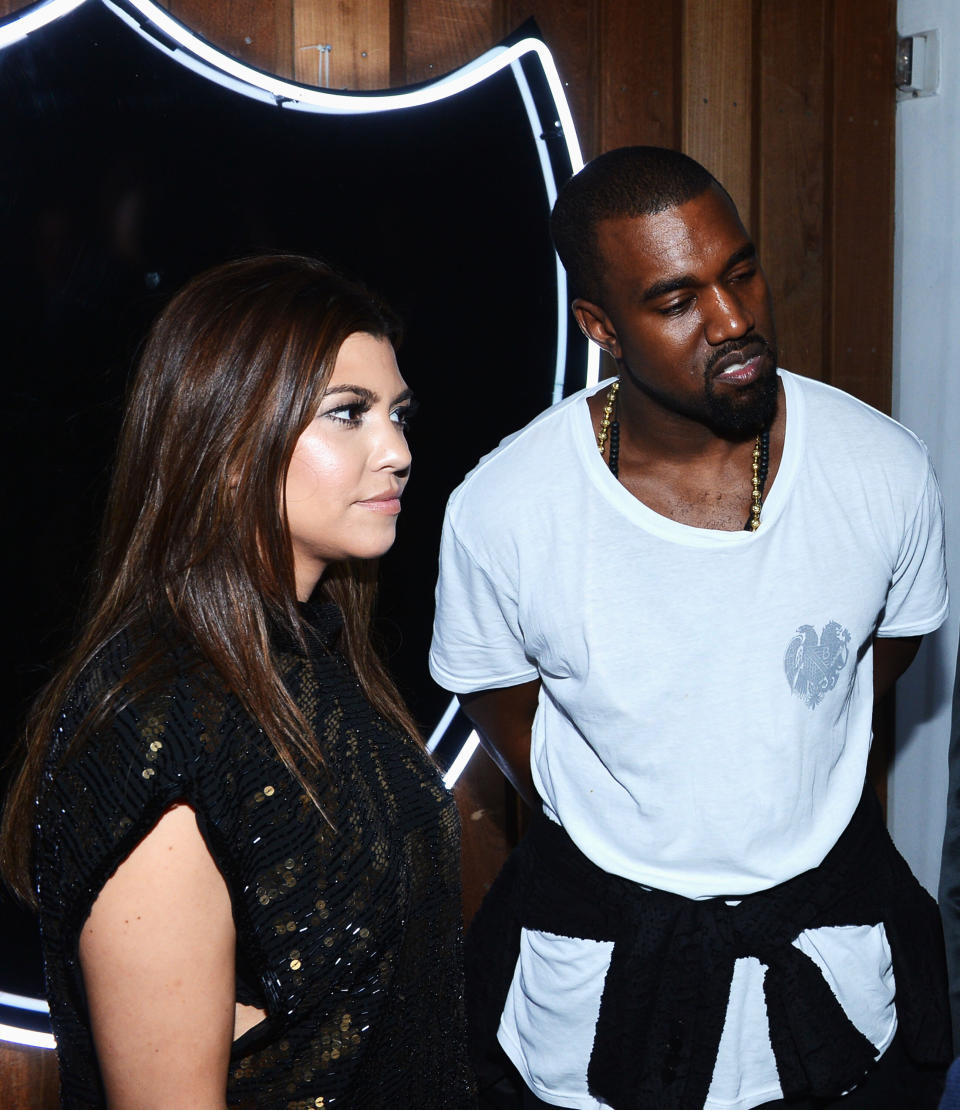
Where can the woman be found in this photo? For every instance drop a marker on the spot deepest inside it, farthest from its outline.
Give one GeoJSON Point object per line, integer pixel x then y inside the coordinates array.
{"type": "Point", "coordinates": [246, 865]}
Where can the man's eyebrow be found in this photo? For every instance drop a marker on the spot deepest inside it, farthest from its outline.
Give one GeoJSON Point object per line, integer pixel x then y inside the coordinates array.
{"type": "Point", "coordinates": [747, 253]}
{"type": "Point", "coordinates": [684, 281]}
{"type": "Point", "coordinates": [670, 285]}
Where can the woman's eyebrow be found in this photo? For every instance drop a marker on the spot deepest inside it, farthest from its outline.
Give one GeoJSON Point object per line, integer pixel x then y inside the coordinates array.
{"type": "Point", "coordinates": [367, 395]}
{"type": "Point", "coordinates": [357, 390]}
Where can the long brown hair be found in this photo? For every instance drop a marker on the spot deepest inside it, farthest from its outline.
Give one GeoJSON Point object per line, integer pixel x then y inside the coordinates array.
{"type": "Point", "coordinates": [195, 535]}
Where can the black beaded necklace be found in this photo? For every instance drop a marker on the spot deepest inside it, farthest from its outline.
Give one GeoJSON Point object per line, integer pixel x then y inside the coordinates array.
{"type": "Point", "coordinates": [610, 429]}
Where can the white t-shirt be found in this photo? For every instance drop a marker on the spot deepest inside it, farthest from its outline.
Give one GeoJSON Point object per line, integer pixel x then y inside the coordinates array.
{"type": "Point", "coordinates": [704, 718]}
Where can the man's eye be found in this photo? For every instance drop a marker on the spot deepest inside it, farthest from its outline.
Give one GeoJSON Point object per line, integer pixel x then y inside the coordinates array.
{"type": "Point", "coordinates": [675, 308]}
{"type": "Point", "coordinates": [744, 275]}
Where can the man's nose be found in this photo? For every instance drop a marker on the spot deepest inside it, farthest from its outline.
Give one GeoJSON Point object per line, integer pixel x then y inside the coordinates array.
{"type": "Point", "coordinates": [727, 317]}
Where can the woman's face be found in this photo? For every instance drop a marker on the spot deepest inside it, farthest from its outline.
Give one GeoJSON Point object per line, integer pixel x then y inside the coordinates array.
{"type": "Point", "coordinates": [350, 465]}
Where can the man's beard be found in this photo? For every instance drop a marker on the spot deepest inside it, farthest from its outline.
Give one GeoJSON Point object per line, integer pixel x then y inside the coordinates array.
{"type": "Point", "coordinates": [742, 413]}
{"type": "Point", "coordinates": [730, 413]}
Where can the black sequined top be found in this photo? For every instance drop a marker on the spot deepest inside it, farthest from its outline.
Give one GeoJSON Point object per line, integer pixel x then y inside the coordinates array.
{"type": "Point", "coordinates": [349, 937]}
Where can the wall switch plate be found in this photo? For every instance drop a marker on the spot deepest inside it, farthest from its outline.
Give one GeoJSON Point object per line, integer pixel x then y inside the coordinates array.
{"type": "Point", "coordinates": [918, 65]}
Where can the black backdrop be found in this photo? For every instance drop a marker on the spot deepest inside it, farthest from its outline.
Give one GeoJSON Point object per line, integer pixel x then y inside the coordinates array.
{"type": "Point", "coordinates": [122, 173]}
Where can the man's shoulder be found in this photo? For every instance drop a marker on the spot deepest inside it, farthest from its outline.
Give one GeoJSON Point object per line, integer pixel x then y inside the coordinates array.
{"type": "Point", "coordinates": [517, 461]}
{"type": "Point", "coordinates": [839, 421]}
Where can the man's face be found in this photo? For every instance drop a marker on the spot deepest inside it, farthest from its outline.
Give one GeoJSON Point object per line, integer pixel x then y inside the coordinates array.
{"type": "Point", "coordinates": [686, 313]}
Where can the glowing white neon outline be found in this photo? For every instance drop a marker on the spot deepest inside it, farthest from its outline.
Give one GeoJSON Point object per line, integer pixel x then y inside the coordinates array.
{"type": "Point", "coordinates": [23, 25]}
{"type": "Point", "coordinates": [221, 68]}
{"type": "Point", "coordinates": [22, 1002]}
{"type": "Point", "coordinates": [12, 1035]}
{"type": "Point", "coordinates": [442, 725]}
{"type": "Point", "coordinates": [294, 96]}
{"type": "Point", "coordinates": [15, 1034]}
{"type": "Point", "coordinates": [458, 766]}
{"type": "Point", "coordinates": [593, 363]}
{"type": "Point", "coordinates": [15, 31]}
{"type": "Point", "coordinates": [546, 169]}
{"type": "Point", "coordinates": [244, 79]}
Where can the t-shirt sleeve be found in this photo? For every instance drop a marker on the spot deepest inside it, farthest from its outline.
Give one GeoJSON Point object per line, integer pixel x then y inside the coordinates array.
{"type": "Point", "coordinates": [917, 601]}
{"type": "Point", "coordinates": [477, 641]}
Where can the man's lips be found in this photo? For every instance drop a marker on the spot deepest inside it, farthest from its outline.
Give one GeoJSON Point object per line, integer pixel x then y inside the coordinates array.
{"type": "Point", "coordinates": [740, 367]}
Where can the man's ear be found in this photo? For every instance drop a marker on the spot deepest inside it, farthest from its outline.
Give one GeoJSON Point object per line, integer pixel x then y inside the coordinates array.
{"type": "Point", "coordinates": [596, 326]}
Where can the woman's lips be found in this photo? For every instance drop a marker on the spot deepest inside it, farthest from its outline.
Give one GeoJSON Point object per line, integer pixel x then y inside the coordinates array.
{"type": "Point", "coordinates": [385, 503]}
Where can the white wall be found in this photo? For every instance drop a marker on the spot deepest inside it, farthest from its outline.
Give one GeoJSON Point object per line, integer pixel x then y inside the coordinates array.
{"type": "Point", "coordinates": [926, 397]}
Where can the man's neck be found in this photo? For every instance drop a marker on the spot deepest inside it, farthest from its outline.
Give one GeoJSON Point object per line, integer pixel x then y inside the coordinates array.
{"type": "Point", "coordinates": [683, 469]}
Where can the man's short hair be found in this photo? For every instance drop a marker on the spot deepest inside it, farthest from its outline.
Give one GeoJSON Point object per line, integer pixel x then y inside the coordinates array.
{"type": "Point", "coordinates": [627, 182]}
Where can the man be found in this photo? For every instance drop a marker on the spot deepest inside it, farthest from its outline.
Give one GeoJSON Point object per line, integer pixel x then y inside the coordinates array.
{"type": "Point", "coordinates": [667, 605]}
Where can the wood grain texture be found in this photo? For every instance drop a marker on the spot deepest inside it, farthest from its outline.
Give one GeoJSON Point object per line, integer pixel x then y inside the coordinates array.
{"type": "Point", "coordinates": [717, 53]}
{"type": "Point", "coordinates": [570, 29]}
{"type": "Point", "coordinates": [441, 35]}
{"type": "Point", "coordinates": [789, 181]}
{"type": "Point", "coordinates": [488, 828]}
{"type": "Point", "coordinates": [254, 32]}
{"type": "Point", "coordinates": [861, 199]}
{"type": "Point", "coordinates": [639, 95]}
{"type": "Point", "coordinates": [357, 33]}
{"type": "Point", "coordinates": [28, 1078]}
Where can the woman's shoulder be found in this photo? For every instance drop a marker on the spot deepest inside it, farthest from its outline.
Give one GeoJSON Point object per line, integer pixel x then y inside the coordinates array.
{"type": "Point", "coordinates": [141, 711]}
{"type": "Point", "coordinates": [131, 674]}
{"type": "Point", "coordinates": [147, 724]}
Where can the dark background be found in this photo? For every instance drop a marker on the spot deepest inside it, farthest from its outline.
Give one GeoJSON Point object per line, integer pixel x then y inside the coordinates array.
{"type": "Point", "coordinates": [123, 174]}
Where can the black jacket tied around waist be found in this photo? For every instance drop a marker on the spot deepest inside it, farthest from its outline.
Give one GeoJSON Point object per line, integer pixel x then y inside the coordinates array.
{"type": "Point", "coordinates": [665, 995]}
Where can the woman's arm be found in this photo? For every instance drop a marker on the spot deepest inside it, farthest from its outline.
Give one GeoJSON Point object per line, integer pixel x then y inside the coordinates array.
{"type": "Point", "coordinates": [157, 954]}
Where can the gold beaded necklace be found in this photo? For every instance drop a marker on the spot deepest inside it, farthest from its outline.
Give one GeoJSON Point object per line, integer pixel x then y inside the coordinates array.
{"type": "Point", "coordinates": [610, 429]}
{"type": "Point", "coordinates": [605, 419]}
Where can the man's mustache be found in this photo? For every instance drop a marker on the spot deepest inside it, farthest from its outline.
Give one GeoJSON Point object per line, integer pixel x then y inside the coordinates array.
{"type": "Point", "coordinates": [749, 348]}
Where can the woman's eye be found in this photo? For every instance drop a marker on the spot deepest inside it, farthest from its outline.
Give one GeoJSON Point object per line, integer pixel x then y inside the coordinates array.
{"type": "Point", "coordinates": [404, 414]}
{"type": "Point", "coordinates": [348, 414]}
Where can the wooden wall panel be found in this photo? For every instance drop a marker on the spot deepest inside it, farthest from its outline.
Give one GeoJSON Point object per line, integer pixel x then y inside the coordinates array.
{"type": "Point", "coordinates": [791, 182]}
{"type": "Point", "coordinates": [257, 33]}
{"type": "Point", "coordinates": [638, 94]}
{"type": "Point", "coordinates": [717, 67]}
{"type": "Point", "coordinates": [28, 1078]}
{"type": "Point", "coordinates": [342, 45]}
{"type": "Point", "coordinates": [488, 820]}
{"type": "Point", "coordinates": [440, 36]}
{"type": "Point", "coordinates": [570, 29]}
{"type": "Point", "coordinates": [860, 200]}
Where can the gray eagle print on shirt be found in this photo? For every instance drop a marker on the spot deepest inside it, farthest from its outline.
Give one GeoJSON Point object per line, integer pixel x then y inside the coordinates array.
{"type": "Point", "coordinates": [813, 664]}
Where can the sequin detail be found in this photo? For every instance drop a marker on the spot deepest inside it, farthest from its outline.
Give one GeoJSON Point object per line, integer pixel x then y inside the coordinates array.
{"type": "Point", "coordinates": [349, 937]}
